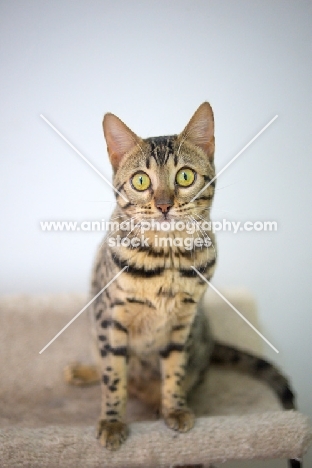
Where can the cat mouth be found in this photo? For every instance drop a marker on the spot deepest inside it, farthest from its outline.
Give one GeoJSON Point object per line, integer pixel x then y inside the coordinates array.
{"type": "Point", "coordinates": [165, 217]}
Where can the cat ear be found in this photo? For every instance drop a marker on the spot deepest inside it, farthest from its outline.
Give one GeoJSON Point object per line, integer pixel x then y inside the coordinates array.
{"type": "Point", "coordinates": [119, 138]}
{"type": "Point", "coordinates": [200, 129]}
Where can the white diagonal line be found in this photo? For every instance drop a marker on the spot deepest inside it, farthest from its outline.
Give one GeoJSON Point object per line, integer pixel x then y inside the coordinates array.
{"type": "Point", "coordinates": [82, 310]}
{"type": "Point", "coordinates": [83, 157]}
{"type": "Point", "coordinates": [235, 310]}
{"type": "Point", "coordinates": [235, 157]}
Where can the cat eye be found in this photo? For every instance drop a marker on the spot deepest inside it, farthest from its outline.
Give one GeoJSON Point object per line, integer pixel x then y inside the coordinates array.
{"type": "Point", "coordinates": [185, 177]}
{"type": "Point", "coordinates": [140, 181]}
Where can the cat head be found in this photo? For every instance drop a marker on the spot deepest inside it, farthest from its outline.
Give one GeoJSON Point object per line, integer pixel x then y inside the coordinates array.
{"type": "Point", "coordinates": [161, 176]}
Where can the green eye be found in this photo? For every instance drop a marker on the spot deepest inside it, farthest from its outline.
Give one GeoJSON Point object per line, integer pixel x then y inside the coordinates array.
{"type": "Point", "coordinates": [141, 181]}
{"type": "Point", "coordinates": [185, 177]}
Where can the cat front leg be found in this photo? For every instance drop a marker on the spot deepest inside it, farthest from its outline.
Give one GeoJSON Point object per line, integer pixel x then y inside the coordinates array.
{"type": "Point", "coordinates": [113, 347]}
{"type": "Point", "coordinates": [173, 365]}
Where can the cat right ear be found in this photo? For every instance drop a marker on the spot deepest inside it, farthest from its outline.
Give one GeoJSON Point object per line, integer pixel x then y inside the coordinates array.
{"type": "Point", "coordinates": [119, 138]}
{"type": "Point", "coordinates": [200, 129]}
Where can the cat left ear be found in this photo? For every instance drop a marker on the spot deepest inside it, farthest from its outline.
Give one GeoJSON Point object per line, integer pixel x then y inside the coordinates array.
{"type": "Point", "coordinates": [119, 138]}
{"type": "Point", "coordinates": [200, 129]}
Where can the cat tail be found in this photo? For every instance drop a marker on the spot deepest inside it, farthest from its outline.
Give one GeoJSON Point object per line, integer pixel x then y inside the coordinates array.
{"type": "Point", "coordinates": [255, 366]}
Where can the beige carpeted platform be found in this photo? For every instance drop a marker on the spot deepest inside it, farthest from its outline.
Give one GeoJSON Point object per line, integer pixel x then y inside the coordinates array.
{"type": "Point", "coordinates": [45, 423]}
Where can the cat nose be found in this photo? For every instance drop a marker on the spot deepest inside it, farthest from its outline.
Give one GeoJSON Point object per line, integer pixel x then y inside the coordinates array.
{"type": "Point", "coordinates": [164, 207]}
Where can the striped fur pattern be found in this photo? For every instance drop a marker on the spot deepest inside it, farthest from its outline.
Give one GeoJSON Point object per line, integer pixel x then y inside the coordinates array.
{"type": "Point", "coordinates": [152, 335]}
{"type": "Point", "coordinates": [148, 322]}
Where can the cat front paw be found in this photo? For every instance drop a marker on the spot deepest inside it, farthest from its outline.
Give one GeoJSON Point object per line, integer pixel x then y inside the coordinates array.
{"type": "Point", "coordinates": [112, 433]}
{"type": "Point", "coordinates": [181, 420]}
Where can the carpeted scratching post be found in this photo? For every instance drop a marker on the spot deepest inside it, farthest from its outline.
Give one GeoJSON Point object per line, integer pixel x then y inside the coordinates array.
{"type": "Point", "coordinates": [45, 423]}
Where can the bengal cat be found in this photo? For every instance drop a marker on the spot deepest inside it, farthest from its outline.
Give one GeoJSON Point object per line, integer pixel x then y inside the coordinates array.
{"type": "Point", "coordinates": [152, 334]}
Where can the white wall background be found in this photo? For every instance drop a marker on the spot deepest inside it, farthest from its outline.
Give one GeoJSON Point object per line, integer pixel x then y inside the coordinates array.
{"type": "Point", "coordinates": [152, 63]}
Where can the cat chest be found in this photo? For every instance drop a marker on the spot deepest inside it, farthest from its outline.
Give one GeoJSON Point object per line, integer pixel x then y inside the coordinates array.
{"type": "Point", "coordinates": [150, 338]}
{"type": "Point", "coordinates": [148, 321]}
{"type": "Point", "coordinates": [150, 317]}
{"type": "Point", "coordinates": [156, 300]}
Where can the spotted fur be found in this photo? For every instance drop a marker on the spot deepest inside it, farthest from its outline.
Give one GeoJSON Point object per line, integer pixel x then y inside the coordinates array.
{"type": "Point", "coordinates": [153, 337]}
{"type": "Point", "coordinates": [146, 320]}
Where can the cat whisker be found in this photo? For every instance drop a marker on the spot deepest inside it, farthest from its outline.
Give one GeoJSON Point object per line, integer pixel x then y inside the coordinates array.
{"type": "Point", "coordinates": [109, 235]}
{"type": "Point", "coordinates": [224, 211]}
{"type": "Point", "coordinates": [207, 237]}
{"type": "Point", "coordinates": [204, 236]}
{"type": "Point", "coordinates": [119, 216]}
{"type": "Point", "coordinates": [136, 225]}
{"type": "Point", "coordinates": [203, 219]}
{"type": "Point", "coordinates": [130, 257]}
{"type": "Point", "coordinates": [229, 185]}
